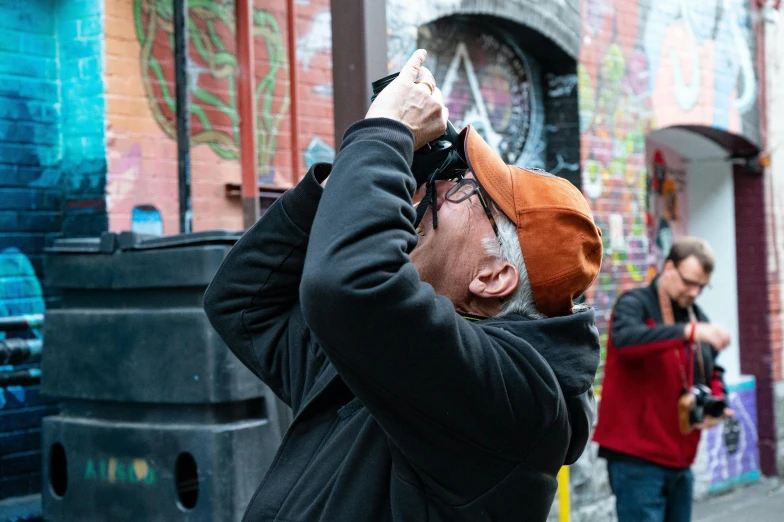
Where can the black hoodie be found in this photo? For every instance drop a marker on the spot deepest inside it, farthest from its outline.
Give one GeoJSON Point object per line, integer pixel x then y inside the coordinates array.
{"type": "Point", "coordinates": [404, 410]}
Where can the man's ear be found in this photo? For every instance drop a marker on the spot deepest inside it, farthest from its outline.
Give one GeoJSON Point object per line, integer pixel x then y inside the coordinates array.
{"type": "Point", "coordinates": [495, 281]}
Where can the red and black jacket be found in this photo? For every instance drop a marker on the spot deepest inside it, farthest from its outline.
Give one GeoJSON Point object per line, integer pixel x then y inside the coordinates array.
{"type": "Point", "coordinates": [638, 411]}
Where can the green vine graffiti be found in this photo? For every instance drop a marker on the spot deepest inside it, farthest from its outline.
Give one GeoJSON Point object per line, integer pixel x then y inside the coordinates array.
{"type": "Point", "coordinates": [213, 71]}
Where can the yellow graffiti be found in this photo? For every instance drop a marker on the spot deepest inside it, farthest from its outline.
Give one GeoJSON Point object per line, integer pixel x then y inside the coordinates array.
{"type": "Point", "coordinates": [112, 470]}
{"type": "Point", "coordinates": [118, 471]}
{"type": "Point", "coordinates": [141, 469]}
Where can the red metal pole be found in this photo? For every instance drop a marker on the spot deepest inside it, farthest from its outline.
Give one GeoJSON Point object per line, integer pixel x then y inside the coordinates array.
{"type": "Point", "coordinates": [291, 16]}
{"type": "Point", "coordinates": [247, 112]}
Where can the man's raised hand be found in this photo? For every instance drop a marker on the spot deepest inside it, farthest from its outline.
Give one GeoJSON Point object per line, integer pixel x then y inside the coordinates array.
{"type": "Point", "coordinates": [414, 100]}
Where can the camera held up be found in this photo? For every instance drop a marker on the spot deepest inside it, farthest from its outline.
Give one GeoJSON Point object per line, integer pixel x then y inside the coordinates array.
{"type": "Point", "coordinates": [439, 159]}
{"type": "Point", "coordinates": [433, 156]}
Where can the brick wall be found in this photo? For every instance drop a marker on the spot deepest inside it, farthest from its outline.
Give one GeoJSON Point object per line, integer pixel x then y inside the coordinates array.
{"type": "Point", "coordinates": [30, 213]}
{"type": "Point", "coordinates": [30, 195]}
{"type": "Point", "coordinates": [142, 147]}
{"type": "Point", "coordinates": [82, 116]}
{"type": "Point", "coordinates": [774, 188]}
{"type": "Point", "coordinates": [774, 213]}
{"type": "Point", "coordinates": [753, 312]}
{"type": "Point", "coordinates": [52, 183]}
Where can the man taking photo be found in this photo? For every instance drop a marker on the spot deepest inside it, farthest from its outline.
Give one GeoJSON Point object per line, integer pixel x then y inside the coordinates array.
{"type": "Point", "coordinates": [438, 372]}
{"type": "Point", "coordinates": [661, 388]}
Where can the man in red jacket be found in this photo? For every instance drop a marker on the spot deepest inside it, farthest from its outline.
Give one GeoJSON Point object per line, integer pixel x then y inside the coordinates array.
{"type": "Point", "coordinates": [660, 347]}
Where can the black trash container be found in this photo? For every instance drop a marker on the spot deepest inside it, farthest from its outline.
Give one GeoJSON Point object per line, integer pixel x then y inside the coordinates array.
{"type": "Point", "coordinates": [158, 419]}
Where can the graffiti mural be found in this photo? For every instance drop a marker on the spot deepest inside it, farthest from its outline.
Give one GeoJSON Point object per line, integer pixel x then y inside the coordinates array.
{"type": "Point", "coordinates": [713, 69]}
{"type": "Point", "coordinates": [489, 83]}
{"type": "Point", "coordinates": [125, 186]}
{"type": "Point", "coordinates": [212, 72]}
{"type": "Point", "coordinates": [641, 67]}
{"type": "Point", "coordinates": [562, 125]}
{"type": "Point", "coordinates": [634, 78]}
{"type": "Point", "coordinates": [314, 55]}
{"type": "Point", "coordinates": [122, 178]}
{"type": "Point", "coordinates": [146, 219]}
{"type": "Point", "coordinates": [667, 212]}
{"type": "Point", "coordinates": [317, 40]}
{"type": "Point", "coordinates": [20, 293]}
{"type": "Point", "coordinates": [140, 140]}
{"type": "Point", "coordinates": [614, 119]}
{"type": "Point", "coordinates": [728, 454]}
{"type": "Point", "coordinates": [318, 151]}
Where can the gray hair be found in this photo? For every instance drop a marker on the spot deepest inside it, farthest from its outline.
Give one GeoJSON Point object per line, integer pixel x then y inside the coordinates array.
{"type": "Point", "coordinates": [507, 248]}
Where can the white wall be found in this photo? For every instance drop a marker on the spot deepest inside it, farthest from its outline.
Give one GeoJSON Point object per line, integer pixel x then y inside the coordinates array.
{"type": "Point", "coordinates": [712, 217]}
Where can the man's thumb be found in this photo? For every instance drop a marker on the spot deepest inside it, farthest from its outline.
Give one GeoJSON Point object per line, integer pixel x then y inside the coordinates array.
{"type": "Point", "coordinates": [411, 69]}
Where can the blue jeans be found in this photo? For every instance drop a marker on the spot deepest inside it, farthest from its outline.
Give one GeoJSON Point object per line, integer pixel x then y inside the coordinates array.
{"type": "Point", "coordinates": [646, 492]}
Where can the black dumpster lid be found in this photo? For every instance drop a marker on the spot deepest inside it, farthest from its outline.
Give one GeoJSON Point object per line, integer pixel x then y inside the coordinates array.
{"type": "Point", "coordinates": [109, 242]}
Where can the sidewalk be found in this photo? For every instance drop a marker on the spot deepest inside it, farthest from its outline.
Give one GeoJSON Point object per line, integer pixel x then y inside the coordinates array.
{"type": "Point", "coordinates": [760, 502]}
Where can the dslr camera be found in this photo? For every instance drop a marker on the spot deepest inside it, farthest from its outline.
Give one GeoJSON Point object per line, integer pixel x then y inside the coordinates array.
{"type": "Point", "coordinates": [437, 159]}
{"type": "Point", "coordinates": [705, 404]}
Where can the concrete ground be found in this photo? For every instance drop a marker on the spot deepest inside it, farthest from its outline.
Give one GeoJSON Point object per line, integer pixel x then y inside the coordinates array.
{"type": "Point", "coordinates": [760, 502]}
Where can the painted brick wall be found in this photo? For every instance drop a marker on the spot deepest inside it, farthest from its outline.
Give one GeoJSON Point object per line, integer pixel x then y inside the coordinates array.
{"type": "Point", "coordinates": [30, 212]}
{"type": "Point", "coordinates": [637, 73]}
{"type": "Point", "coordinates": [142, 147]}
{"type": "Point", "coordinates": [52, 183]}
{"type": "Point", "coordinates": [562, 124]}
{"type": "Point", "coordinates": [774, 211]}
{"type": "Point", "coordinates": [82, 116]}
{"type": "Point", "coordinates": [774, 46]}
{"type": "Point", "coordinates": [30, 197]}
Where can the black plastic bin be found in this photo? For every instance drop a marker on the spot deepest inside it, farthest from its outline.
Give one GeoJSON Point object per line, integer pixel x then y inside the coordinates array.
{"type": "Point", "coordinates": [158, 419]}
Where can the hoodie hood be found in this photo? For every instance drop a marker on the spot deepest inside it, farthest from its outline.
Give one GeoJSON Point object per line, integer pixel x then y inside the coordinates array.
{"type": "Point", "coordinates": [570, 345]}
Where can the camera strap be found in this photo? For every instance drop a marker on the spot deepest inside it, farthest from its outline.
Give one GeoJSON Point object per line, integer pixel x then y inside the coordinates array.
{"type": "Point", "coordinates": [698, 349]}
{"type": "Point", "coordinates": [430, 198]}
{"type": "Point", "coordinates": [668, 316]}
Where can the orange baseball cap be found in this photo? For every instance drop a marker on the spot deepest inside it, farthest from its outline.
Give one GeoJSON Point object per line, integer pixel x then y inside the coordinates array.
{"type": "Point", "coordinates": [561, 245]}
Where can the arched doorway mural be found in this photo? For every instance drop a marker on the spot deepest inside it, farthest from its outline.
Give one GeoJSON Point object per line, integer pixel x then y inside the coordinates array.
{"type": "Point", "coordinates": [706, 182]}
{"type": "Point", "coordinates": [488, 81]}
{"type": "Point", "coordinates": [515, 85]}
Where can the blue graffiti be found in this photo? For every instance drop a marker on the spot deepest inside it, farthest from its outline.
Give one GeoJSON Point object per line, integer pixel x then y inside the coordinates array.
{"type": "Point", "coordinates": [146, 219]}
{"type": "Point", "coordinates": [12, 396]}
{"type": "Point", "coordinates": [318, 151]}
{"type": "Point", "coordinates": [20, 291]}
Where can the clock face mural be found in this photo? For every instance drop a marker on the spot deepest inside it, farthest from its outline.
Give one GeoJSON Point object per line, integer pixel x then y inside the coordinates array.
{"type": "Point", "coordinates": [488, 82]}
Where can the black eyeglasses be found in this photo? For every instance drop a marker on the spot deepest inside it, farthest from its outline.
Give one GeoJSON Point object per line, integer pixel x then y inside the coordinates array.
{"type": "Point", "coordinates": [464, 189]}
{"type": "Point", "coordinates": [690, 283]}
